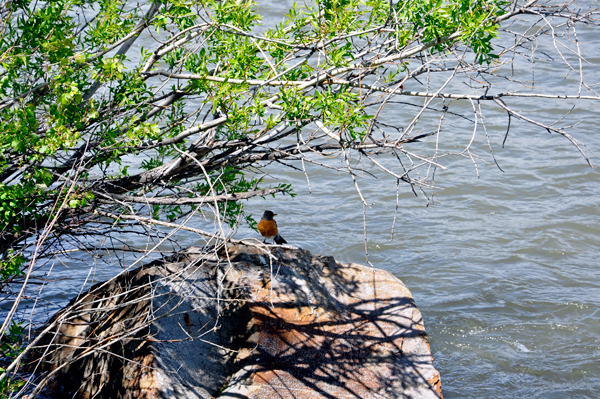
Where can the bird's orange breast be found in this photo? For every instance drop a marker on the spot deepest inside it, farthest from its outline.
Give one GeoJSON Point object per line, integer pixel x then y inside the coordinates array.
{"type": "Point", "coordinates": [267, 228]}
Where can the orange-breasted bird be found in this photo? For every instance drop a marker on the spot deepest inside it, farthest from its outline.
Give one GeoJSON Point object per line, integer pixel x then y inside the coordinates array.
{"type": "Point", "coordinates": [268, 228]}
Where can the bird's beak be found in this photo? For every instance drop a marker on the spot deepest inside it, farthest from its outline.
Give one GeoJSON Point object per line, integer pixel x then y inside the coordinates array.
{"type": "Point", "coordinates": [274, 214]}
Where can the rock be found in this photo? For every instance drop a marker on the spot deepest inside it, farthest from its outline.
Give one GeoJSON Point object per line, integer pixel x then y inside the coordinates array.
{"type": "Point", "coordinates": [242, 323]}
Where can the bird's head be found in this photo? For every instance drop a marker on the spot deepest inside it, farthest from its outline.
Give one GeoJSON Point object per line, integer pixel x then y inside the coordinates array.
{"type": "Point", "coordinates": [268, 215]}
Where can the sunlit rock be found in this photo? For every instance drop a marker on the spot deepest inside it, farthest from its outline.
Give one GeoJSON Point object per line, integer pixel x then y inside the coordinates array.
{"type": "Point", "coordinates": [242, 323]}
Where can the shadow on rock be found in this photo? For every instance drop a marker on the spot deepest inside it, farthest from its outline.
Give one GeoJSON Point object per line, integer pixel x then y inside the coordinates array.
{"type": "Point", "coordinates": [243, 321]}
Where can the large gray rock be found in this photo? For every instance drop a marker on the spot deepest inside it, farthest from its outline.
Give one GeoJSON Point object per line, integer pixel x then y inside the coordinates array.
{"type": "Point", "coordinates": [246, 322]}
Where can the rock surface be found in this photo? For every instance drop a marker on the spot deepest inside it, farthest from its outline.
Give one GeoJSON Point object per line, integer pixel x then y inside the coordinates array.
{"type": "Point", "coordinates": [245, 322]}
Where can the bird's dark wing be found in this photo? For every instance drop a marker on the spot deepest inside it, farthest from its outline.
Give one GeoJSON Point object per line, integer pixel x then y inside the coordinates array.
{"type": "Point", "coordinates": [279, 240]}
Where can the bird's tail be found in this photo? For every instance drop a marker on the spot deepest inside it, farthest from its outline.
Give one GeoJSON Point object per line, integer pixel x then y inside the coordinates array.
{"type": "Point", "coordinates": [279, 239]}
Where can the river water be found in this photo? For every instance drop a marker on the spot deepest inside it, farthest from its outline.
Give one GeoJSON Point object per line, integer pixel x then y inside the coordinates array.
{"type": "Point", "coordinates": [504, 266]}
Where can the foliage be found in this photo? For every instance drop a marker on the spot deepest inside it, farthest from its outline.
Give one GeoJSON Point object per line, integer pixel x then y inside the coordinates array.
{"type": "Point", "coordinates": [57, 127]}
{"type": "Point", "coordinates": [9, 350]}
{"type": "Point", "coordinates": [116, 116]}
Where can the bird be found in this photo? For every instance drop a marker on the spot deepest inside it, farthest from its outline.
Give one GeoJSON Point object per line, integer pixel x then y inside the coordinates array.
{"type": "Point", "coordinates": [268, 228]}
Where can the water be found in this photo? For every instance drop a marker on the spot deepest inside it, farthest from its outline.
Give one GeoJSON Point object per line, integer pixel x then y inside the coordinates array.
{"type": "Point", "coordinates": [503, 266]}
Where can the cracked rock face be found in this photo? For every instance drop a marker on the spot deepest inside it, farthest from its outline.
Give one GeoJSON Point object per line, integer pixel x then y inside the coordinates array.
{"type": "Point", "coordinates": [243, 322]}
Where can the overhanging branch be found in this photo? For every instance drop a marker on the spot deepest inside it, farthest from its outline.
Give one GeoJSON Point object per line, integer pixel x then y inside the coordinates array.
{"type": "Point", "coordinates": [115, 198]}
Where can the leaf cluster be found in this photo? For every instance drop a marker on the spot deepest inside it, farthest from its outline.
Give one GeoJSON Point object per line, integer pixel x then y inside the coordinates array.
{"type": "Point", "coordinates": [76, 111]}
{"type": "Point", "coordinates": [87, 115]}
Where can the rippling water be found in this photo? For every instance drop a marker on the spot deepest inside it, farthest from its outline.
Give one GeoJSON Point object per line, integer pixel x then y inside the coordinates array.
{"type": "Point", "coordinates": [504, 267]}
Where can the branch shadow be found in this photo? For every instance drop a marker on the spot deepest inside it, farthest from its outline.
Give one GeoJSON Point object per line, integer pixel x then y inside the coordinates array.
{"type": "Point", "coordinates": [298, 326]}
{"type": "Point", "coordinates": [335, 330]}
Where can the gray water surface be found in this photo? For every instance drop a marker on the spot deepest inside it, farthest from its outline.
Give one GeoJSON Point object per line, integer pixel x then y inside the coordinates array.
{"type": "Point", "coordinates": [503, 266]}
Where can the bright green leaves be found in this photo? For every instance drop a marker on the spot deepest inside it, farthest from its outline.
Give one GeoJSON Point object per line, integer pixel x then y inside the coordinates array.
{"type": "Point", "coordinates": [241, 14]}
{"type": "Point", "coordinates": [92, 111]}
{"type": "Point", "coordinates": [9, 344]}
{"type": "Point", "coordinates": [340, 110]}
{"type": "Point", "coordinates": [238, 58]}
{"type": "Point", "coordinates": [58, 48]}
{"type": "Point", "coordinates": [58, 137]}
{"type": "Point", "coordinates": [174, 13]}
{"type": "Point", "coordinates": [10, 348]}
{"type": "Point", "coordinates": [129, 92]}
{"type": "Point", "coordinates": [41, 177]}
{"type": "Point", "coordinates": [50, 61]}
{"type": "Point", "coordinates": [378, 12]}
{"type": "Point", "coordinates": [330, 19]}
{"type": "Point", "coordinates": [81, 200]}
{"type": "Point", "coordinates": [110, 69]}
{"type": "Point", "coordinates": [19, 202]}
{"type": "Point", "coordinates": [16, 202]}
{"type": "Point", "coordinates": [180, 13]}
{"type": "Point", "coordinates": [475, 20]}
{"type": "Point", "coordinates": [64, 117]}
{"type": "Point", "coordinates": [196, 62]}
{"type": "Point", "coordinates": [340, 56]}
{"type": "Point", "coordinates": [238, 123]}
{"type": "Point", "coordinates": [18, 127]}
{"type": "Point", "coordinates": [173, 59]}
{"type": "Point", "coordinates": [48, 33]}
{"type": "Point", "coordinates": [297, 105]}
{"type": "Point", "coordinates": [11, 266]}
{"type": "Point", "coordinates": [144, 131]}
{"type": "Point", "coordinates": [428, 19]}
{"type": "Point", "coordinates": [114, 20]}
{"type": "Point", "coordinates": [71, 95]}
{"type": "Point", "coordinates": [33, 44]}
{"type": "Point", "coordinates": [160, 22]}
{"type": "Point", "coordinates": [339, 16]}
{"type": "Point", "coordinates": [477, 25]}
